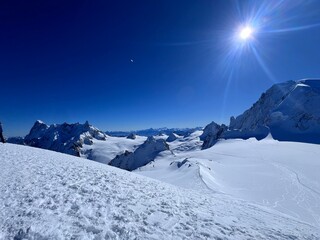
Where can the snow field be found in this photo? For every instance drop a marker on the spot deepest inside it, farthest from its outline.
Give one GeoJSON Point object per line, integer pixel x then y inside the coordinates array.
{"type": "Point", "coordinates": [45, 194]}
{"type": "Point", "coordinates": [280, 175]}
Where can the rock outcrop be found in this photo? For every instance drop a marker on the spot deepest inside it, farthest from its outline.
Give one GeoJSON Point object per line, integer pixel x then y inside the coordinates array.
{"type": "Point", "coordinates": [144, 154]}
{"type": "Point", "coordinates": [172, 137]}
{"type": "Point", "coordinates": [211, 133]}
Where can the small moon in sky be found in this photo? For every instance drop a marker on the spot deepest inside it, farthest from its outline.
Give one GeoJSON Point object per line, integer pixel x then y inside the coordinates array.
{"type": "Point", "coordinates": [131, 60]}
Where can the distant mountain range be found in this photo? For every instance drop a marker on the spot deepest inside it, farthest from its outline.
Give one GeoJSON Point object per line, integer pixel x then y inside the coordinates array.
{"type": "Point", "coordinates": [155, 131]}
{"type": "Point", "coordinates": [87, 141]}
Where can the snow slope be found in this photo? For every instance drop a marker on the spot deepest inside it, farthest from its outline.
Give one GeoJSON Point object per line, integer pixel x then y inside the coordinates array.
{"type": "Point", "coordinates": [49, 195]}
{"type": "Point", "coordinates": [280, 175]}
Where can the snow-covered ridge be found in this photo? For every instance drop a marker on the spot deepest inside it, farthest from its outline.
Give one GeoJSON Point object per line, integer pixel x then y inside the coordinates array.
{"type": "Point", "coordinates": [290, 111]}
{"type": "Point", "coordinates": [56, 196]}
{"type": "Point", "coordinates": [65, 138]}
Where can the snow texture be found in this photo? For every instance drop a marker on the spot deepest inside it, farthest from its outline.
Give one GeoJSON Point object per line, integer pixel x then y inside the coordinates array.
{"type": "Point", "coordinates": [280, 175]}
{"type": "Point", "coordinates": [104, 151]}
{"type": "Point", "coordinates": [49, 195]}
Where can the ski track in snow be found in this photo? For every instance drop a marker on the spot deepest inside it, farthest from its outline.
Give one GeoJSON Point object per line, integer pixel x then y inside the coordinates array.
{"type": "Point", "coordinates": [300, 199]}
{"type": "Point", "coordinates": [299, 181]}
{"type": "Point", "coordinates": [45, 195]}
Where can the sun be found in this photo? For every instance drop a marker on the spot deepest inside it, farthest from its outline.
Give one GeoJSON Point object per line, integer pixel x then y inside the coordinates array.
{"type": "Point", "coordinates": [246, 33]}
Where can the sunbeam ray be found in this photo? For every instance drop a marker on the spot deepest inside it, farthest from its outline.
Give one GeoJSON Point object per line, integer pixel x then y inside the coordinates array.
{"type": "Point", "coordinates": [263, 65]}
{"type": "Point", "coordinates": [292, 29]}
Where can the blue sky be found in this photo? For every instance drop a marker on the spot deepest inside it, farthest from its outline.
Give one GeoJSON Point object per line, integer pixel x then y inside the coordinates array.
{"type": "Point", "coordinates": [70, 61]}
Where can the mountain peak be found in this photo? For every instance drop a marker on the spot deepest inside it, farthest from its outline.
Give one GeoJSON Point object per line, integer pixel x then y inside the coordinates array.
{"type": "Point", "coordinates": [66, 138]}
{"type": "Point", "coordinates": [289, 111]}
{"type": "Point", "coordinates": [39, 122]}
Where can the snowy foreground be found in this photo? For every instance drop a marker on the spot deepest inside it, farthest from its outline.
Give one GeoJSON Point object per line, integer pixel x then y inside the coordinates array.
{"type": "Point", "coordinates": [49, 195]}
{"type": "Point", "coordinates": [280, 175]}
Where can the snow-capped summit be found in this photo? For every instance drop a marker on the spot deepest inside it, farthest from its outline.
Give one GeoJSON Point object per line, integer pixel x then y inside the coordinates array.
{"type": "Point", "coordinates": [291, 111]}
{"type": "Point", "coordinates": [144, 154]}
{"type": "Point", "coordinates": [39, 128]}
{"type": "Point", "coordinates": [65, 138]}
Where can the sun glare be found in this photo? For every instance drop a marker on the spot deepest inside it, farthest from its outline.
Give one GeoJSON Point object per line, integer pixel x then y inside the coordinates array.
{"type": "Point", "coordinates": [246, 33]}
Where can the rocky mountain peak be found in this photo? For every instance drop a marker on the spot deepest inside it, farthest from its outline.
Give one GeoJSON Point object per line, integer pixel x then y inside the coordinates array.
{"type": "Point", "coordinates": [65, 137]}
{"type": "Point", "coordinates": [290, 111]}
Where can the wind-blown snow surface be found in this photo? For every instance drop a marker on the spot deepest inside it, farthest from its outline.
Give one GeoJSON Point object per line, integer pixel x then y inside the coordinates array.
{"type": "Point", "coordinates": [280, 175]}
{"type": "Point", "coordinates": [49, 195]}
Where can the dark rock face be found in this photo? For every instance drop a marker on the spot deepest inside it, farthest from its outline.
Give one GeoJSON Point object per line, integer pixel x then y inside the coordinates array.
{"type": "Point", "coordinates": [132, 136]}
{"type": "Point", "coordinates": [211, 133]}
{"type": "Point", "coordinates": [185, 162]}
{"type": "Point", "coordinates": [172, 137]}
{"type": "Point", "coordinates": [259, 113]}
